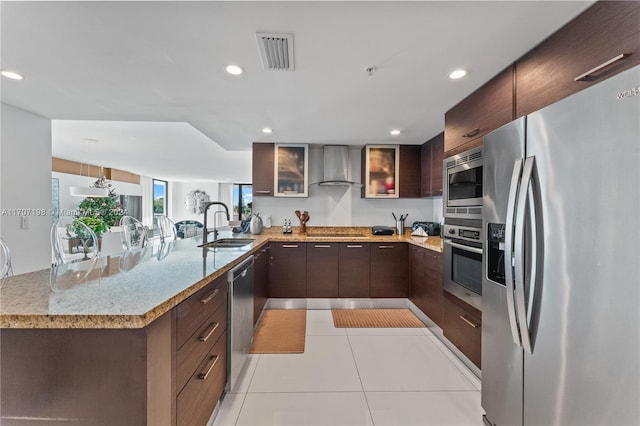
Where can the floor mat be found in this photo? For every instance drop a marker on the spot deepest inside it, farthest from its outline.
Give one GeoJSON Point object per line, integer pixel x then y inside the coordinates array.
{"type": "Point", "coordinates": [281, 331]}
{"type": "Point", "coordinates": [378, 318]}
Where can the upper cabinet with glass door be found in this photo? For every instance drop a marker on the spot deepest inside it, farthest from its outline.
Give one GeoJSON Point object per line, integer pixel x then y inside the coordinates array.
{"type": "Point", "coordinates": [291, 177]}
{"type": "Point", "coordinates": [381, 171]}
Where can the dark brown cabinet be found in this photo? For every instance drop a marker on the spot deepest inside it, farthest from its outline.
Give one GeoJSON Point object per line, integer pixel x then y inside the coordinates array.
{"type": "Point", "coordinates": [601, 33]}
{"type": "Point", "coordinates": [389, 271]}
{"type": "Point", "coordinates": [432, 154]}
{"type": "Point", "coordinates": [260, 282]}
{"type": "Point", "coordinates": [353, 269]}
{"type": "Point", "coordinates": [409, 170]}
{"type": "Point", "coordinates": [426, 282]}
{"type": "Point", "coordinates": [396, 166]}
{"type": "Point", "coordinates": [263, 169]}
{"type": "Point", "coordinates": [322, 270]}
{"type": "Point", "coordinates": [486, 109]}
{"type": "Point", "coordinates": [288, 270]}
{"type": "Point", "coordinates": [201, 346]}
{"type": "Point", "coordinates": [463, 327]}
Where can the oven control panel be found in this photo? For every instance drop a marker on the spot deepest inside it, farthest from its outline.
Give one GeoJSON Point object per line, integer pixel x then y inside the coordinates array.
{"type": "Point", "coordinates": [462, 233]}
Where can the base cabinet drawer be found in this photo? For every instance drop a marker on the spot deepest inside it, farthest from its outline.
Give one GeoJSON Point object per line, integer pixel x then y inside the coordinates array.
{"type": "Point", "coordinates": [199, 397]}
{"type": "Point", "coordinates": [463, 327]}
{"type": "Point", "coordinates": [191, 354]}
{"type": "Point", "coordinates": [193, 312]}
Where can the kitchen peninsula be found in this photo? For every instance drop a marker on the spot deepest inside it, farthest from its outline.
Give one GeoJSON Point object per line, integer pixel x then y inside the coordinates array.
{"type": "Point", "coordinates": [111, 350]}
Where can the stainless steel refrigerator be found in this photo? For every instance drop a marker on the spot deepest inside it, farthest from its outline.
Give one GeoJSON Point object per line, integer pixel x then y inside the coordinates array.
{"type": "Point", "coordinates": [561, 270]}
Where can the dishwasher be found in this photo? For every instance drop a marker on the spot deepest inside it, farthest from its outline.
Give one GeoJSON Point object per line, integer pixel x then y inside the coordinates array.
{"type": "Point", "coordinates": [239, 320]}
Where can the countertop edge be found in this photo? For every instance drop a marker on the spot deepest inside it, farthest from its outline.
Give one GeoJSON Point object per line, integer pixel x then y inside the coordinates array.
{"type": "Point", "coordinates": [17, 321]}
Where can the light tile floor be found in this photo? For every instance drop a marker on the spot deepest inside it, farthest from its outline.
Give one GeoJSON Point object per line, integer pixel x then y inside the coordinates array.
{"type": "Point", "coordinates": [356, 376]}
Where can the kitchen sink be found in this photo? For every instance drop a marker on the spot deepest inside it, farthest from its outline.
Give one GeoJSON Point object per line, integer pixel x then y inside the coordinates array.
{"type": "Point", "coordinates": [228, 243]}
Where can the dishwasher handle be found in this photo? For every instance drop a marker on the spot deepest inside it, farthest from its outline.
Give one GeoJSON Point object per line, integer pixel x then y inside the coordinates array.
{"type": "Point", "coordinates": [240, 270]}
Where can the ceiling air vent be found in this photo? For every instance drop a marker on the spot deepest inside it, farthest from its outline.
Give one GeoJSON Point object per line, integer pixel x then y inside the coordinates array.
{"type": "Point", "coordinates": [276, 51]}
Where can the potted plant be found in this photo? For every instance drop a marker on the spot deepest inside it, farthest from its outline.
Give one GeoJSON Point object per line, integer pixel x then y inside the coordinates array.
{"type": "Point", "coordinates": [96, 224]}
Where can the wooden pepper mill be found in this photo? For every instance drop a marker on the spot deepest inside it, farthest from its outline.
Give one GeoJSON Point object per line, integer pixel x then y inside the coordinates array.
{"type": "Point", "coordinates": [304, 218]}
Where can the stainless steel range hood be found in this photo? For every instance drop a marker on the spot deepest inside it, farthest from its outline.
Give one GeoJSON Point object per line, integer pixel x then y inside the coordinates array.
{"type": "Point", "coordinates": [336, 166]}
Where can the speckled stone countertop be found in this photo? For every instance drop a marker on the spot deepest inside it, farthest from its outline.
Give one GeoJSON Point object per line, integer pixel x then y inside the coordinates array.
{"type": "Point", "coordinates": [131, 290]}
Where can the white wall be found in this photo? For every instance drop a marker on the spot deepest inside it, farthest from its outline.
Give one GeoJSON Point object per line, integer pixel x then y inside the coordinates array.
{"type": "Point", "coordinates": [177, 194]}
{"type": "Point", "coordinates": [342, 206]}
{"type": "Point", "coordinates": [25, 183]}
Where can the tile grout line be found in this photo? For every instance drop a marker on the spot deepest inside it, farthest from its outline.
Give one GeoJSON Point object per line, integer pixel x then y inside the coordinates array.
{"type": "Point", "coordinates": [447, 354]}
{"type": "Point", "coordinates": [373, 422]}
{"type": "Point", "coordinates": [244, 399]}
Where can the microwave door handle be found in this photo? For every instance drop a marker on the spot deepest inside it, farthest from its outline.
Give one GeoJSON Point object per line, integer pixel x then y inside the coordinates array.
{"type": "Point", "coordinates": [463, 247]}
{"type": "Point", "coordinates": [508, 249]}
{"type": "Point", "coordinates": [519, 240]}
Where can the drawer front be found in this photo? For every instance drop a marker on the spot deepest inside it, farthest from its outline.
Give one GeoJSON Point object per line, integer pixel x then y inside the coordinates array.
{"type": "Point", "coordinates": [194, 311]}
{"type": "Point", "coordinates": [199, 397]}
{"type": "Point", "coordinates": [191, 354]}
{"type": "Point", "coordinates": [463, 329]}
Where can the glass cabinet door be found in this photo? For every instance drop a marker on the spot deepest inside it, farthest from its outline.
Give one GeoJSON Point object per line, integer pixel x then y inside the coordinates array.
{"type": "Point", "coordinates": [291, 170]}
{"type": "Point", "coordinates": [381, 171]}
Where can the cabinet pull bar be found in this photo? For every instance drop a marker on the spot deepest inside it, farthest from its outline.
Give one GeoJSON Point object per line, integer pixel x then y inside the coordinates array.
{"type": "Point", "coordinates": [472, 133]}
{"type": "Point", "coordinates": [354, 245]}
{"type": "Point", "coordinates": [263, 192]}
{"type": "Point", "coordinates": [468, 321]}
{"type": "Point", "coordinates": [385, 247]}
{"type": "Point", "coordinates": [289, 246]}
{"type": "Point", "coordinates": [601, 66]}
{"type": "Point", "coordinates": [322, 246]}
{"type": "Point", "coordinates": [212, 327]}
{"type": "Point", "coordinates": [210, 296]}
{"type": "Point", "coordinates": [203, 376]}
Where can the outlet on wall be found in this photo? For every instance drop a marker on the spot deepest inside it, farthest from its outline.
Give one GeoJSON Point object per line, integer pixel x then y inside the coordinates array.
{"type": "Point", "coordinates": [25, 222]}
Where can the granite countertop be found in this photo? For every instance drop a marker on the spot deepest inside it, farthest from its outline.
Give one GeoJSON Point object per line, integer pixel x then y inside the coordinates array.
{"type": "Point", "coordinates": [130, 290]}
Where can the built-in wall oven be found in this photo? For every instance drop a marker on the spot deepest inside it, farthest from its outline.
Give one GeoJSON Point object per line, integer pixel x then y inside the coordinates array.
{"type": "Point", "coordinates": [462, 191]}
{"type": "Point", "coordinates": [463, 261]}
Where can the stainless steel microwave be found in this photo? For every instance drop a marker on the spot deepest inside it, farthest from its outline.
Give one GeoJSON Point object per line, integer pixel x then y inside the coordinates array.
{"type": "Point", "coordinates": [462, 191]}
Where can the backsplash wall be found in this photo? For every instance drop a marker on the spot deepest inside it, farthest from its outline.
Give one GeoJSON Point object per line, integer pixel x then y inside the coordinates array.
{"type": "Point", "coordinates": [341, 205]}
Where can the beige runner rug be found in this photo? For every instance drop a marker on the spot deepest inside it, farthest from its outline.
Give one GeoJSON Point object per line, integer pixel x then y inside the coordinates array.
{"type": "Point", "coordinates": [375, 318]}
{"type": "Point", "coordinates": [281, 331]}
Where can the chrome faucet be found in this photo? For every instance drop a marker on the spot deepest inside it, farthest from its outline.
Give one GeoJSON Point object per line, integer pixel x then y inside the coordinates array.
{"type": "Point", "coordinates": [205, 233]}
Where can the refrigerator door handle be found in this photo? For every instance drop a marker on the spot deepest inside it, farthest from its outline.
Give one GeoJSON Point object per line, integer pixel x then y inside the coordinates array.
{"type": "Point", "coordinates": [525, 202]}
{"type": "Point", "coordinates": [509, 252]}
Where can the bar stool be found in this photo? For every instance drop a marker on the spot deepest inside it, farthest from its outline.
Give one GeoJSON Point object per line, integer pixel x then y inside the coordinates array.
{"type": "Point", "coordinates": [5, 260]}
{"type": "Point", "coordinates": [133, 233]}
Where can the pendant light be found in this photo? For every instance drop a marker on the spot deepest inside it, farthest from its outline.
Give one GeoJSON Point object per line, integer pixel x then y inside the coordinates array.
{"type": "Point", "coordinates": [89, 191]}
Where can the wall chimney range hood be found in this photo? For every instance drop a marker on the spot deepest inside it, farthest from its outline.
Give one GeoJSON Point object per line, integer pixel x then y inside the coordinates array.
{"type": "Point", "coordinates": [336, 166]}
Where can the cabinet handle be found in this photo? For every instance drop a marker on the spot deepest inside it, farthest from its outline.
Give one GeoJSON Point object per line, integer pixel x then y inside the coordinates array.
{"type": "Point", "coordinates": [263, 192]}
{"type": "Point", "coordinates": [468, 321]}
{"type": "Point", "coordinates": [212, 327]}
{"type": "Point", "coordinates": [208, 298]}
{"type": "Point", "coordinates": [289, 246]}
{"type": "Point", "coordinates": [601, 66]}
{"type": "Point", "coordinates": [322, 246]}
{"type": "Point", "coordinates": [472, 133]}
{"type": "Point", "coordinates": [203, 376]}
{"type": "Point", "coordinates": [354, 245]}
{"type": "Point", "coordinates": [385, 247]}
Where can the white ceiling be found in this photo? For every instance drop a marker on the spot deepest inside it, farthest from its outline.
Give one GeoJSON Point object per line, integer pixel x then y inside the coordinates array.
{"type": "Point", "coordinates": [155, 70]}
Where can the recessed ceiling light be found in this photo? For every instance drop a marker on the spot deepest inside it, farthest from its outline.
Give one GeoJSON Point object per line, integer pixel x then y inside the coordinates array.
{"type": "Point", "coordinates": [267, 130]}
{"type": "Point", "coordinates": [12, 75]}
{"type": "Point", "coordinates": [234, 69]}
{"type": "Point", "coordinates": [395, 132]}
{"type": "Point", "coordinates": [457, 74]}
